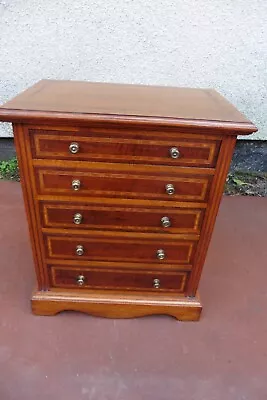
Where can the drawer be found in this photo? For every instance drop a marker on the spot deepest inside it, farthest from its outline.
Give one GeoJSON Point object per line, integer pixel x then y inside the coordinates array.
{"type": "Point", "coordinates": [120, 247]}
{"type": "Point", "coordinates": [123, 184]}
{"type": "Point", "coordinates": [113, 146]}
{"type": "Point", "coordinates": [92, 278]}
{"type": "Point", "coordinates": [158, 220]}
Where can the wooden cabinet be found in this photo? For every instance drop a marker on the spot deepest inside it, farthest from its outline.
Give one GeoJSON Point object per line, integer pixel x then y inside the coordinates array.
{"type": "Point", "coordinates": [122, 184]}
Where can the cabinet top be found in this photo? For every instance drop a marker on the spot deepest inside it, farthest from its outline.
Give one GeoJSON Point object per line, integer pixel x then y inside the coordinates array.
{"type": "Point", "coordinates": [80, 102]}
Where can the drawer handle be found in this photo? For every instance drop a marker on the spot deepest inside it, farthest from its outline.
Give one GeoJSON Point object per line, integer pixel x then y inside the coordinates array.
{"type": "Point", "coordinates": [174, 152]}
{"type": "Point", "coordinates": [76, 184]}
{"type": "Point", "coordinates": [74, 148]}
{"type": "Point", "coordinates": [80, 280]}
{"type": "Point", "coordinates": [79, 250]}
{"type": "Point", "coordinates": [156, 283]}
{"type": "Point", "coordinates": [77, 219]}
{"type": "Point", "coordinates": [165, 222]}
{"type": "Point", "coordinates": [161, 254]}
{"type": "Point", "coordinates": [170, 189]}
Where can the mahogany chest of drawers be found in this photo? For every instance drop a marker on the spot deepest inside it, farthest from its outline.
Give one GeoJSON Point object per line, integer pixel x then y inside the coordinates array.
{"type": "Point", "coordinates": [121, 185]}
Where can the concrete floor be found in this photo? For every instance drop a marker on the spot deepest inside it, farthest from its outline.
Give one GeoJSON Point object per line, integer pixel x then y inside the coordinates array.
{"type": "Point", "coordinates": [76, 356]}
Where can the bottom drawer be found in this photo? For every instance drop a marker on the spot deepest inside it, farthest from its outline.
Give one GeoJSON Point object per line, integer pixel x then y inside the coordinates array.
{"type": "Point", "coordinates": [78, 277]}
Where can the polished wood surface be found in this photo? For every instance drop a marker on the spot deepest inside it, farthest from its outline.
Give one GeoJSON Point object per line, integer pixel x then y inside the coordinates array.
{"type": "Point", "coordinates": [61, 215]}
{"type": "Point", "coordinates": [121, 248]}
{"type": "Point", "coordinates": [212, 210]}
{"type": "Point", "coordinates": [115, 304]}
{"type": "Point", "coordinates": [65, 277]}
{"type": "Point", "coordinates": [98, 98]}
{"type": "Point", "coordinates": [107, 146]}
{"type": "Point", "coordinates": [65, 101]}
{"type": "Point", "coordinates": [31, 206]}
{"type": "Point", "coordinates": [119, 184]}
{"type": "Point", "coordinates": [117, 258]}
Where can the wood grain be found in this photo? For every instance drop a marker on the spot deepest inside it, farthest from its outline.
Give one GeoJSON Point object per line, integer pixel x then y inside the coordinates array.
{"type": "Point", "coordinates": [120, 185]}
{"type": "Point", "coordinates": [145, 266]}
{"type": "Point", "coordinates": [30, 207]}
{"type": "Point", "coordinates": [120, 248]}
{"type": "Point", "coordinates": [61, 215]}
{"type": "Point", "coordinates": [58, 100]}
{"type": "Point", "coordinates": [223, 165]}
{"type": "Point", "coordinates": [118, 279]}
{"type": "Point", "coordinates": [123, 163]}
{"type": "Point", "coordinates": [113, 131]}
{"type": "Point", "coordinates": [113, 304]}
{"type": "Point", "coordinates": [98, 145]}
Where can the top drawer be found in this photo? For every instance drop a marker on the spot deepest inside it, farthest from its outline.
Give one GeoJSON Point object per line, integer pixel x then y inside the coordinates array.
{"type": "Point", "coordinates": [124, 146]}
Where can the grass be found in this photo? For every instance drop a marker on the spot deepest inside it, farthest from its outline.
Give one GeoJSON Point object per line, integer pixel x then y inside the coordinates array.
{"type": "Point", "coordinates": [9, 170]}
{"type": "Point", "coordinates": [246, 183]}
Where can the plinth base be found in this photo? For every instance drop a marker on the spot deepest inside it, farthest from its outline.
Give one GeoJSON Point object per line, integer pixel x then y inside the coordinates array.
{"type": "Point", "coordinates": [116, 304]}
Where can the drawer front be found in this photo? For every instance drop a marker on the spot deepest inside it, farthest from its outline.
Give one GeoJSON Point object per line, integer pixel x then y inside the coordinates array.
{"type": "Point", "coordinates": [110, 146]}
{"type": "Point", "coordinates": [122, 185]}
{"type": "Point", "coordinates": [120, 248]}
{"type": "Point", "coordinates": [159, 220]}
{"type": "Point", "coordinates": [86, 278]}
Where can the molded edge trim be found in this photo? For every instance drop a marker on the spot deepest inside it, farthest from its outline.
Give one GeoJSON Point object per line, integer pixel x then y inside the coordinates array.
{"type": "Point", "coordinates": [42, 117]}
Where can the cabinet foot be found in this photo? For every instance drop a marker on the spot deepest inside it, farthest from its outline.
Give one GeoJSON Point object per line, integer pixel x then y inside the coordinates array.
{"type": "Point", "coordinates": [116, 305]}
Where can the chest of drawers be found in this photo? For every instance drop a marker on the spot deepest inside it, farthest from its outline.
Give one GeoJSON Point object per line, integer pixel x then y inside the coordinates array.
{"type": "Point", "coordinates": [121, 185]}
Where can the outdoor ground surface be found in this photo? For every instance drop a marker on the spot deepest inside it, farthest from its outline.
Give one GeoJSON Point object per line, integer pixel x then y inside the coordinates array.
{"type": "Point", "coordinates": [248, 172]}
{"type": "Point", "coordinates": [76, 356]}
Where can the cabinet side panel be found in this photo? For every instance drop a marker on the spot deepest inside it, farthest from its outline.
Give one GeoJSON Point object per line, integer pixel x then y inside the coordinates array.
{"type": "Point", "coordinates": [24, 162]}
{"type": "Point", "coordinates": [223, 164]}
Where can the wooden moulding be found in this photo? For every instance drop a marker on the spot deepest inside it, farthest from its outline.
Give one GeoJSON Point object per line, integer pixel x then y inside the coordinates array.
{"type": "Point", "coordinates": [116, 305]}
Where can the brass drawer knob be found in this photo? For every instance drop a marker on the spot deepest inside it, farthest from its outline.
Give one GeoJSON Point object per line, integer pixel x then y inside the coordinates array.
{"type": "Point", "coordinates": [170, 189]}
{"type": "Point", "coordinates": [80, 280]}
{"type": "Point", "coordinates": [174, 152]}
{"type": "Point", "coordinates": [77, 219]}
{"type": "Point", "coordinates": [165, 222]}
{"type": "Point", "coordinates": [76, 184]}
{"type": "Point", "coordinates": [74, 148]}
{"type": "Point", "coordinates": [156, 283]}
{"type": "Point", "coordinates": [160, 254]}
{"type": "Point", "coordinates": [79, 250]}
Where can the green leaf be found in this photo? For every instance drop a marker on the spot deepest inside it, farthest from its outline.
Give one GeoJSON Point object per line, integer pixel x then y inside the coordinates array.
{"type": "Point", "coordinates": [238, 182]}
